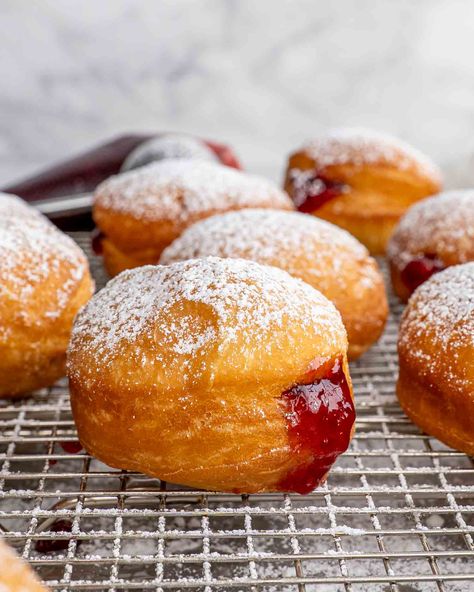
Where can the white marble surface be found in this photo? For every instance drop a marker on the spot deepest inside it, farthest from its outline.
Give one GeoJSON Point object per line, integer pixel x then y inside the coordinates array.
{"type": "Point", "coordinates": [261, 74]}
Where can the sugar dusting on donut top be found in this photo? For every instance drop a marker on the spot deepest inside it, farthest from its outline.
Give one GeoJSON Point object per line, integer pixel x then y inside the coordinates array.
{"type": "Point", "coordinates": [443, 307]}
{"type": "Point", "coordinates": [250, 302]}
{"type": "Point", "coordinates": [31, 251]}
{"type": "Point", "coordinates": [442, 224]}
{"type": "Point", "coordinates": [362, 146]}
{"type": "Point", "coordinates": [11, 205]}
{"type": "Point", "coordinates": [167, 146]}
{"type": "Point", "coordinates": [271, 236]}
{"type": "Point", "coordinates": [177, 189]}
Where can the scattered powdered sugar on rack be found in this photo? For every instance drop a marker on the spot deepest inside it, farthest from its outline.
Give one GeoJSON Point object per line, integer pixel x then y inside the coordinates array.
{"type": "Point", "coordinates": [362, 146]}
{"type": "Point", "coordinates": [167, 146]}
{"type": "Point", "coordinates": [179, 189]}
{"type": "Point", "coordinates": [441, 225]}
{"type": "Point", "coordinates": [249, 300]}
{"type": "Point", "coordinates": [273, 237]}
{"type": "Point", "coordinates": [445, 305]}
{"type": "Point", "coordinates": [31, 251]}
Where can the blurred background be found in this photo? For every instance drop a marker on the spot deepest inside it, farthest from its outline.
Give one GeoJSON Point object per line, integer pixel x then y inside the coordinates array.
{"type": "Point", "coordinates": [260, 75]}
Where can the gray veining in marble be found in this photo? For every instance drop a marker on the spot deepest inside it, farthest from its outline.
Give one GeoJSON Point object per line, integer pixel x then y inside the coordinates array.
{"type": "Point", "coordinates": [262, 75]}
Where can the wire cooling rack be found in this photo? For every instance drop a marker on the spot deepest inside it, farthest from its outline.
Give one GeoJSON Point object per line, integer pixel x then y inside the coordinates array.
{"type": "Point", "coordinates": [395, 515]}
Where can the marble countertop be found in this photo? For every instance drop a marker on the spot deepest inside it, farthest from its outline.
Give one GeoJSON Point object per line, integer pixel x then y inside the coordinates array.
{"type": "Point", "coordinates": [262, 76]}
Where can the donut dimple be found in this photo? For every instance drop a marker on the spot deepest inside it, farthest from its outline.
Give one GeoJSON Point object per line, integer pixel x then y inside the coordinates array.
{"type": "Point", "coordinates": [442, 225]}
{"type": "Point", "coordinates": [437, 330]}
{"type": "Point", "coordinates": [180, 190]}
{"type": "Point", "coordinates": [360, 146]}
{"type": "Point", "coordinates": [219, 302]}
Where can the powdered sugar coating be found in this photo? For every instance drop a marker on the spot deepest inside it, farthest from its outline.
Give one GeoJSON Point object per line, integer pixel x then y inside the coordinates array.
{"type": "Point", "coordinates": [31, 251]}
{"type": "Point", "coordinates": [180, 189]}
{"type": "Point", "coordinates": [313, 250]}
{"type": "Point", "coordinates": [11, 205]}
{"type": "Point", "coordinates": [167, 146]}
{"type": "Point", "coordinates": [443, 308]}
{"type": "Point", "coordinates": [269, 236]}
{"type": "Point", "coordinates": [250, 301]}
{"type": "Point", "coordinates": [442, 225]}
{"type": "Point", "coordinates": [362, 146]}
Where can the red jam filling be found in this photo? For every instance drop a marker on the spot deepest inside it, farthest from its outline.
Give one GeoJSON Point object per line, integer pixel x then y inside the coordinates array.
{"type": "Point", "coordinates": [97, 241]}
{"type": "Point", "coordinates": [225, 154]}
{"type": "Point", "coordinates": [71, 447]}
{"type": "Point", "coordinates": [419, 270]}
{"type": "Point", "coordinates": [312, 190]}
{"type": "Point", "coordinates": [320, 414]}
{"type": "Point", "coordinates": [48, 545]}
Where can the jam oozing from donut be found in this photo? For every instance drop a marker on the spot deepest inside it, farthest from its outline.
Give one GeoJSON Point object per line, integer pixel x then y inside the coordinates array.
{"type": "Point", "coordinates": [97, 241]}
{"type": "Point", "coordinates": [312, 190]}
{"type": "Point", "coordinates": [320, 414]}
{"type": "Point", "coordinates": [48, 545]}
{"type": "Point", "coordinates": [419, 270]}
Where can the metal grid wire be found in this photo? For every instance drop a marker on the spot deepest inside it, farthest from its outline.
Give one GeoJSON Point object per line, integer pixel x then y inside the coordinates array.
{"type": "Point", "coordinates": [395, 515]}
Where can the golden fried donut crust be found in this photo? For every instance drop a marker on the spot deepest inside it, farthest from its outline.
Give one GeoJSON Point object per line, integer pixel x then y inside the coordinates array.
{"type": "Point", "coordinates": [176, 370]}
{"type": "Point", "coordinates": [15, 574]}
{"type": "Point", "coordinates": [44, 280]}
{"type": "Point", "coordinates": [383, 178]}
{"type": "Point", "coordinates": [319, 253]}
{"type": "Point", "coordinates": [436, 355]}
{"type": "Point", "coordinates": [116, 261]}
{"type": "Point", "coordinates": [441, 226]}
{"type": "Point", "coordinates": [142, 211]}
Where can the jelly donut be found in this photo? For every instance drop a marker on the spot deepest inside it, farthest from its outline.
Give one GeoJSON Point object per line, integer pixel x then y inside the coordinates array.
{"type": "Point", "coordinates": [168, 146]}
{"type": "Point", "coordinates": [140, 212]}
{"type": "Point", "coordinates": [44, 280]}
{"type": "Point", "coordinates": [432, 235]}
{"type": "Point", "coordinates": [436, 353]}
{"type": "Point", "coordinates": [221, 374]}
{"type": "Point", "coordinates": [15, 574]}
{"type": "Point", "coordinates": [360, 180]}
{"type": "Point", "coordinates": [317, 252]}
